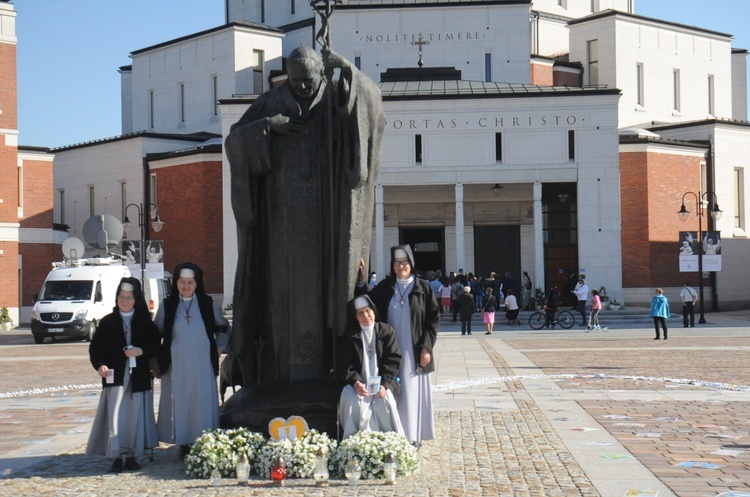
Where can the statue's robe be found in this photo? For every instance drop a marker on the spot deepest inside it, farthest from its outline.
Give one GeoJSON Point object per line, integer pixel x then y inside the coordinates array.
{"type": "Point", "coordinates": [303, 224]}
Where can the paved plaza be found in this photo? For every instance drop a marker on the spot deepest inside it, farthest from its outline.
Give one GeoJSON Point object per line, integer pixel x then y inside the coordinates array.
{"type": "Point", "coordinates": [518, 413]}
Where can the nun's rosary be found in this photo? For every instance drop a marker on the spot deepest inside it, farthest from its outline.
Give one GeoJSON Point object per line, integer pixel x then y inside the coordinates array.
{"type": "Point", "coordinates": [401, 294]}
{"type": "Point", "coordinates": [188, 317]}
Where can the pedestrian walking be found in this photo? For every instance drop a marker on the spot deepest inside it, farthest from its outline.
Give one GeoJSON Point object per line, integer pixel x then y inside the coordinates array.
{"type": "Point", "coordinates": [689, 297]}
{"type": "Point", "coordinates": [660, 312]}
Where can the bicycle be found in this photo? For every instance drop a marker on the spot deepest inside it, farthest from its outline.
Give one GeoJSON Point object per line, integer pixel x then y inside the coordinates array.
{"type": "Point", "coordinates": [565, 319]}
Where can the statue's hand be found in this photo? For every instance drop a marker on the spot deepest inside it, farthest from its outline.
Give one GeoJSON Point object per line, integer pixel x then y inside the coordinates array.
{"type": "Point", "coordinates": [332, 60]}
{"type": "Point", "coordinates": [284, 125]}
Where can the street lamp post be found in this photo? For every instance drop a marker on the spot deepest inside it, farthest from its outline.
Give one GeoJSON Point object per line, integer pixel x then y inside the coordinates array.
{"type": "Point", "coordinates": [684, 214]}
{"type": "Point", "coordinates": [157, 224]}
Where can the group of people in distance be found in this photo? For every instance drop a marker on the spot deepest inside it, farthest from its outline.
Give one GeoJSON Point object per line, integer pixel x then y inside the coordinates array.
{"type": "Point", "coordinates": [128, 350]}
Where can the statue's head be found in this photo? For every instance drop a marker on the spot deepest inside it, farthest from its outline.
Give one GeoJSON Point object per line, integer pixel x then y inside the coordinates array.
{"type": "Point", "coordinates": [304, 67]}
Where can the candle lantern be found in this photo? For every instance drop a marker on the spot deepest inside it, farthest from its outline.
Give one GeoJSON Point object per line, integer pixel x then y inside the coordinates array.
{"type": "Point", "coordinates": [243, 470]}
{"type": "Point", "coordinates": [320, 475]}
{"type": "Point", "coordinates": [353, 471]}
{"type": "Point", "coordinates": [279, 472]}
{"type": "Point", "coordinates": [215, 477]}
{"type": "Point", "coordinates": [389, 468]}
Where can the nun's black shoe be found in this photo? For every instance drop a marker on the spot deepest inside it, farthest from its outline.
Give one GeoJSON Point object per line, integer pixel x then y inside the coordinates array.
{"type": "Point", "coordinates": [184, 451]}
{"type": "Point", "coordinates": [131, 464]}
{"type": "Point", "coordinates": [116, 466]}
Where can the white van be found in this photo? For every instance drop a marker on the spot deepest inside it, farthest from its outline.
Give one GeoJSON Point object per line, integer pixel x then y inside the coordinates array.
{"type": "Point", "coordinates": [75, 296]}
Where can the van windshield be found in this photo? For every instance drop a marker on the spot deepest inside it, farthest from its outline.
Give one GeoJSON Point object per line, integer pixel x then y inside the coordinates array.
{"type": "Point", "coordinates": [66, 290]}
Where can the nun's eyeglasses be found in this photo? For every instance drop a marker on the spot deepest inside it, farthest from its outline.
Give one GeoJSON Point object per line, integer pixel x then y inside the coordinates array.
{"type": "Point", "coordinates": [401, 263]}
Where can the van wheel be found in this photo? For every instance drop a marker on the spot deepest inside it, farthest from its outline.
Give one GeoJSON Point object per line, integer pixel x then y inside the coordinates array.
{"type": "Point", "coordinates": [92, 330]}
{"type": "Point", "coordinates": [38, 339]}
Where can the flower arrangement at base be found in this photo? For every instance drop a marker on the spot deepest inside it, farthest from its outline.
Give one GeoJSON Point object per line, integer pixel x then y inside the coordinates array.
{"type": "Point", "coordinates": [372, 448]}
{"type": "Point", "coordinates": [298, 454]}
{"type": "Point", "coordinates": [222, 449]}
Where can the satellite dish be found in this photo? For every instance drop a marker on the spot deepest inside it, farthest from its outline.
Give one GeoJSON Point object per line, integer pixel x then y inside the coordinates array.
{"type": "Point", "coordinates": [73, 248]}
{"type": "Point", "coordinates": [103, 231]}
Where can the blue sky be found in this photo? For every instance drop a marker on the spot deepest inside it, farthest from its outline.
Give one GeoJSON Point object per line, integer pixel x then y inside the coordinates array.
{"type": "Point", "coordinates": [69, 53]}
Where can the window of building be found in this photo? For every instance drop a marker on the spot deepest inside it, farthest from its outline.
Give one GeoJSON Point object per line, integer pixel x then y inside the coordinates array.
{"type": "Point", "coordinates": [498, 147]}
{"type": "Point", "coordinates": [215, 94]}
{"type": "Point", "coordinates": [571, 144]}
{"type": "Point", "coordinates": [418, 148]}
{"type": "Point", "coordinates": [488, 67]}
{"type": "Point", "coordinates": [258, 62]}
{"type": "Point", "coordinates": [639, 84]}
{"type": "Point", "coordinates": [739, 198]}
{"type": "Point", "coordinates": [151, 109]}
{"type": "Point", "coordinates": [711, 109]}
{"type": "Point", "coordinates": [358, 62]}
{"type": "Point", "coordinates": [182, 102]}
{"type": "Point", "coordinates": [152, 190]}
{"type": "Point", "coordinates": [592, 50]}
{"type": "Point", "coordinates": [61, 194]}
{"type": "Point", "coordinates": [262, 10]}
{"type": "Point", "coordinates": [123, 199]}
{"type": "Point", "coordinates": [20, 184]}
{"type": "Point", "coordinates": [92, 201]}
{"type": "Point", "coordinates": [676, 89]}
{"type": "Point", "coordinates": [293, 9]}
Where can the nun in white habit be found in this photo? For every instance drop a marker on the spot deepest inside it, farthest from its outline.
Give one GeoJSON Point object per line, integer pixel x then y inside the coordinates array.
{"type": "Point", "coordinates": [369, 361]}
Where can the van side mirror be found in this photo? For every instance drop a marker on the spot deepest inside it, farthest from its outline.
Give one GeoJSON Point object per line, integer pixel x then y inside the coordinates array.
{"type": "Point", "coordinates": [98, 297]}
{"type": "Point", "coordinates": [35, 298]}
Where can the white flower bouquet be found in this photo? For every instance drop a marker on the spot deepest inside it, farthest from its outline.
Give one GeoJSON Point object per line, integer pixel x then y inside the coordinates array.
{"type": "Point", "coordinates": [371, 448]}
{"type": "Point", "coordinates": [298, 454]}
{"type": "Point", "coordinates": [222, 450]}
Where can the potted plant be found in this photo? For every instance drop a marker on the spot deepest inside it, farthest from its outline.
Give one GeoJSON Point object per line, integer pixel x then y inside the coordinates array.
{"type": "Point", "coordinates": [603, 294]}
{"type": "Point", "coordinates": [5, 320]}
{"type": "Point", "coordinates": [614, 305]}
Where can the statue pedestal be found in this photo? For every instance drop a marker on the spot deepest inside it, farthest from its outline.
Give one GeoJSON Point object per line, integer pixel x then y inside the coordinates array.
{"type": "Point", "coordinates": [255, 405]}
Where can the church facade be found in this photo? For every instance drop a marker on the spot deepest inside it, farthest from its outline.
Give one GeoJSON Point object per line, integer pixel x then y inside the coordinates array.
{"type": "Point", "coordinates": [554, 137]}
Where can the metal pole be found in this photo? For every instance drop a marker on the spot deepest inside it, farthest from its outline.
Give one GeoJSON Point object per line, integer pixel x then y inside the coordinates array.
{"type": "Point", "coordinates": [699, 210]}
{"type": "Point", "coordinates": [142, 222]}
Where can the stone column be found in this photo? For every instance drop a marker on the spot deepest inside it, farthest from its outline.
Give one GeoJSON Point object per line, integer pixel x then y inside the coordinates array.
{"type": "Point", "coordinates": [538, 238]}
{"type": "Point", "coordinates": [460, 245]}
{"type": "Point", "coordinates": [379, 233]}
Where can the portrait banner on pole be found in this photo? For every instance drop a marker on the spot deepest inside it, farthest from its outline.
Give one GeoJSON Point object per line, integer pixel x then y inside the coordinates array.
{"type": "Point", "coordinates": [688, 250]}
{"type": "Point", "coordinates": [711, 251]}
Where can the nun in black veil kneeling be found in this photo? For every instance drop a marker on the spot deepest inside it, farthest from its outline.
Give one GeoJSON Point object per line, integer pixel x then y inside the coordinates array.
{"type": "Point", "coordinates": [369, 361]}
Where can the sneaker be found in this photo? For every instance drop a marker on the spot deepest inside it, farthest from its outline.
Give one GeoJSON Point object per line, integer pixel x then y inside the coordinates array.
{"type": "Point", "coordinates": [116, 466]}
{"type": "Point", "coordinates": [131, 464]}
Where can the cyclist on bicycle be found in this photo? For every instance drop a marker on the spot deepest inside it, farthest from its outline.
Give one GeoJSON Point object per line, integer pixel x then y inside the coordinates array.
{"type": "Point", "coordinates": [553, 302]}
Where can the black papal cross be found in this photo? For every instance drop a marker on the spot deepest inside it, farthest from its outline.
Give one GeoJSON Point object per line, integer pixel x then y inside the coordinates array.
{"type": "Point", "coordinates": [421, 42]}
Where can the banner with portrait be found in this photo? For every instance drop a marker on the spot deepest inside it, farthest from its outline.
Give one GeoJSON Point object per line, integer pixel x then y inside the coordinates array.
{"type": "Point", "coordinates": [690, 246]}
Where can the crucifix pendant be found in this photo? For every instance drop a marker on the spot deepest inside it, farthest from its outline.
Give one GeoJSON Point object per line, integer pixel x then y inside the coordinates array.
{"type": "Point", "coordinates": [401, 302]}
{"type": "Point", "coordinates": [188, 318]}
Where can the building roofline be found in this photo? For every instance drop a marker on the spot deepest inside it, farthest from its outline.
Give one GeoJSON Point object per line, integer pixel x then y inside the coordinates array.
{"type": "Point", "coordinates": [236, 24]}
{"type": "Point", "coordinates": [415, 4]}
{"type": "Point", "coordinates": [463, 89]}
{"type": "Point", "coordinates": [700, 122]}
{"type": "Point", "coordinates": [617, 13]}
{"type": "Point", "coordinates": [197, 137]}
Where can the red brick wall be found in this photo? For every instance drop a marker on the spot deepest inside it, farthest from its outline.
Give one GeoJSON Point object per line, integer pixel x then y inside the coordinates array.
{"type": "Point", "coordinates": [38, 194]}
{"type": "Point", "coordinates": [8, 175]}
{"type": "Point", "coordinates": [541, 74]}
{"type": "Point", "coordinates": [37, 261]}
{"type": "Point", "coordinates": [652, 186]}
{"type": "Point", "coordinates": [564, 78]}
{"type": "Point", "coordinates": [190, 204]}
{"type": "Point", "coordinates": [8, 87]}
